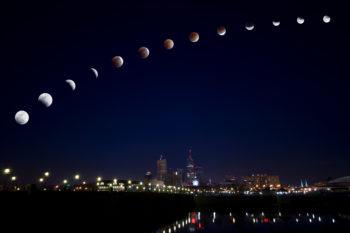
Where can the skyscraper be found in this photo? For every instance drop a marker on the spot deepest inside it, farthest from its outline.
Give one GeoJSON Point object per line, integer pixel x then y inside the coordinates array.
{"type": "Point", "coordinates": [193, 171]}
{"type": "Point", "coordinates": [162, 169]}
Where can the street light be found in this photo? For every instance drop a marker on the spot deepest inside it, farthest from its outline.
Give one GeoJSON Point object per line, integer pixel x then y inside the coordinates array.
{"type": "Point", "coordinates": [77, 177]}
{"type": "Point", "coordinates": [99, 179]}
{"type": "Point", "coordinates": [13, 178]}
{"type": "Point", "coordinates": [47, 174]}
{"type": "Point", "coordinates": [65, 181]}
{"type": "Point", "coordinates": [7, 171]}
{"type": "Point", "coordinates": [41, 180]}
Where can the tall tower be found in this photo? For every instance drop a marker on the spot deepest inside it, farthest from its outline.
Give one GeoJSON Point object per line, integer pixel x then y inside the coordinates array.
{"type": "Point", "coordinates": [162, 169]}
{"type": "Point", "coordinates": [192, 178]}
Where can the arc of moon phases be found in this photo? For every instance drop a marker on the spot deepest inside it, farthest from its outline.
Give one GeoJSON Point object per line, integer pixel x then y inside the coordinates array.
{"type": "Point", "coordinates": [326, 19]}
{"type": "Point", "coordinates": [117, 61]}
{"type": "Point", "coordinates": [221, 31]}
{"type": "Point", "coordinates": [300, 20]}
{"type": "Point", "coordinates": [168, 44]}
{"type": "Point", "coordinates": [276, 23]}
{"type": "Point", "coordinates": [94, 71]}
{"type": "Point", "coordinates": [45, 99]}
{"type": "Point", "coordinates": [22, 117]}
{"type": "Point", "coordinates": [71, 83]}
{"type": "Point", "coordinates": [249, 26]}
{"type": "Point", "coordinates": [143, 52]}
{"type": "Point", "coordinates": [194, 37]}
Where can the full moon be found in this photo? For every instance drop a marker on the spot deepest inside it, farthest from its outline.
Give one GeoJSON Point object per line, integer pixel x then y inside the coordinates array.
{"type": "Point", "coordinates": [300, 20]}
{"type": "Point", "coordinates": [71, 83]}
{"type": "Point", "coordinates": [168, 44]}
{"type": "Point", "coordinates": [22, 117]}
{"type": "Point", "coordinates": [117, 61]}
{"type": "Point", "coordinates": [194, 37]}
{"type": "Point", "coordinates": [276, 23]}
{"type": "Point", "coordinates": [221, 31]}
{"type": "Point", "coordinates": [326, 19]}
{"type": "Point", "coordinates": [249, 26]}
{"type": "Point", "coordinates": [94, 71]}
{"type": "Point", "coordinates": [45, 99]}
{"type": "Point", "coordinates": [143, 52]}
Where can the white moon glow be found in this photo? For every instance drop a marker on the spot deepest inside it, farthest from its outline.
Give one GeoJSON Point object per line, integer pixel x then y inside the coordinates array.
{"type": "Point", "coordinates": [45, 99]}
{"type": "Point", "coordinates": [300, 20]}
{"type": "Point", "coordinates": [71, 83]}
{"type": "Point", "coordinates": [326, 19]}
{"type": "Point", "coordinates": [94, 71]}
{"type": "Point", "coordinates": [249, 26]}
{"type": "Point", "coordinates": [276, 23]}
{"type": "Point", "coordinates": [22, 117]}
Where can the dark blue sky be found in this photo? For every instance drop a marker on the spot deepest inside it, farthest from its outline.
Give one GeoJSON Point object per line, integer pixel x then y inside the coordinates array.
{"type": "Point", "coordinates": [275, 100]}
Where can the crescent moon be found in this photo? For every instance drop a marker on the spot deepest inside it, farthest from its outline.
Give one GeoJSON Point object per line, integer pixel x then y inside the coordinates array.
{"type": "Point", "coordinates": [276, 23]}
{"type": "Point", "coordinates": [94, 71]}
{"type": "Point", "coordinates": [249, 26]}
{"type": "Point", "coordinates": [22, 117]}
{"type": "Point", "coordinates": [71, 83]}
{"type": "Point", "coordinates": [45, 99]}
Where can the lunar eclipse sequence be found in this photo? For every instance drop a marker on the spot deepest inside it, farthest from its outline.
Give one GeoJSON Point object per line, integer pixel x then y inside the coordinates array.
{"type": "Point", "coordinates": [46, 99]}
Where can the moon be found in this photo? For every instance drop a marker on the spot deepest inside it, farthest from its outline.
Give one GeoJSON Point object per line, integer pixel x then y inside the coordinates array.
{"type": "Point", "coordinates": [117, 61]}
{"type": "Point", "coordinates": [326, 19]}
{"type": "Point", "coordinates": [94, 71]}
{"type": "Point", "coordinates": [194, 37]}
{"type": "Point", "coordinates": [143, 52]}
{"type": "Point", "coordinates": [71, 83]}
{"type": "Point", "coordinates": [221, 31]}
{"type": "Point", "coordinates": [300, 20]}
{"type": "Point", "coordinates": [45, 99]}
{"type": "Point", "coordinates": [249, 26]}
{"type": "Point", "coordinates": [276, 23]}
{"type": "Point", "coordinates": [168, 44]}
{"type": "Point", "coordinates": [22, 117]}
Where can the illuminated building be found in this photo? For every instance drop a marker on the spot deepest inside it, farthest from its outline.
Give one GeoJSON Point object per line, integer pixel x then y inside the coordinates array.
{"type": "Point", "coordinates": [193, 174]}
{"type": "Point", "coordinates": [262, 181]}
{"type": "Point", "coordinates": [110, 185]}
{"type": "Point", "coordinates": [175, 177]}
{"type": "Point", "coordinates": [162, 169]}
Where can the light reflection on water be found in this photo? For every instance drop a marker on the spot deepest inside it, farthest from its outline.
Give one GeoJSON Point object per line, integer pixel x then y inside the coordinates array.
{"type": "Point", "coordinates": [258, 222]}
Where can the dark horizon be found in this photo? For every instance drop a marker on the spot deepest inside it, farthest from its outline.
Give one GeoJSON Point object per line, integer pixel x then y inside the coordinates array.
{"type": "Point", "coordinates": [274, 100]}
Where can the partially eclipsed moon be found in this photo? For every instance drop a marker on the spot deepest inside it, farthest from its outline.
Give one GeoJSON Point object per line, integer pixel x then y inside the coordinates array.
{"type": "Point", "coordinates": [71, 83]}
{"type": "Point", "coordinates": [117, 61]}
{"type": "Point", "coordinates": [326, 19]}
{"type": "Point", "coordinates": [221, 31]}
{"type": "Point", "coordinates": [45, 99]}
{"type": "Point", "coordinates": [22, 117]}
{"type": "Point", "coordinates": [249, 26]}
{"type": "Point", "coordinates": [143, 52]}
{"type": "Point", "coordinates": [94, 71]}
{"type": "Point", "coordinates": [300, 20]}
{"type": "Point", "coordinates": [276, 23]}
{"type": "Point", "coordinates": [194, 37]}
{"type": "Point", "coordinates": [168, 44]}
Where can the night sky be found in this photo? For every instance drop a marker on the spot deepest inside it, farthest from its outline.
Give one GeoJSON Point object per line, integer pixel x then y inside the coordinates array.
{"type": "Point", "coordinates": [274, 100]}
